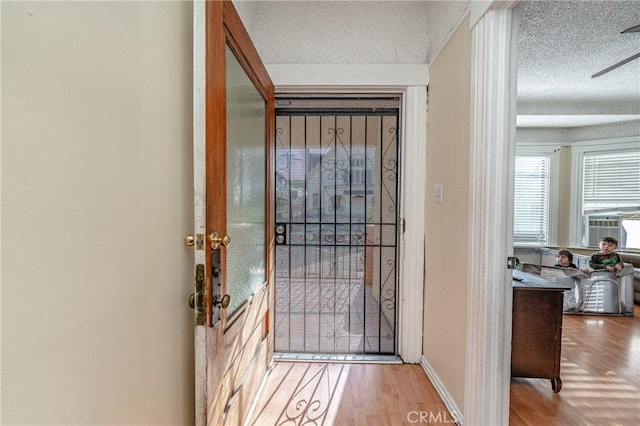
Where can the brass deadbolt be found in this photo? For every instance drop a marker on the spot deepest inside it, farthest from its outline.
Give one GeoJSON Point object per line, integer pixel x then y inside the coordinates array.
{"type": "Point", "coordinates": [217, 240]}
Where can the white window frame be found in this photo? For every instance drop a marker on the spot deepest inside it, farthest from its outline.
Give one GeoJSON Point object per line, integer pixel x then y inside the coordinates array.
{"type": "Point", "coordinates": [577, 167]}
{"type": "Point", "coordinates": [554, 187]}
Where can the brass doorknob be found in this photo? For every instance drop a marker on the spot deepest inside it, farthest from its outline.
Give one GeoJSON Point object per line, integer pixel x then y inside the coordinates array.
{"type": "Point", "coordinates": [222, 301]}
{"type": "Point", "coordinates": [217, 240]}
{"type": "Point", "coordinates": [189, 240]}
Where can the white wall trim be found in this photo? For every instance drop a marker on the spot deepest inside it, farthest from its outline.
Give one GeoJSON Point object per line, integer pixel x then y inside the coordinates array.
{"type": "Point", "coordinates": [449, 402]}
{"type": "Point", "coordinates": [607, 144]}
{"type": "Point", "coordinates": [199, 187]}
{"type": "Point", "coordinates": [479, 7]}
{"type": "Point", "coordinates": [317, 77]}
{"type": "Point", "coordinates": [575, 209]}
{"type": "Point", "coordinates": [554, 194]}
{"type": "Point", "coordinates": [412, 210]}
{"type": "Point", "coordinates": [487, 373]}
{"type": "Point", "coordinates": [410, 81]}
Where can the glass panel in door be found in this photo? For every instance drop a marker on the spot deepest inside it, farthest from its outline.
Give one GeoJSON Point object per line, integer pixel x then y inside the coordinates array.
{"type": "Point", "coordinates": [246, 133]}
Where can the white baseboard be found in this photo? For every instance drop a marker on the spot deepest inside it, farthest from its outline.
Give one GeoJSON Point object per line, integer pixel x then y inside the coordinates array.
{"type": "Point", "coordinates": [454, 410]}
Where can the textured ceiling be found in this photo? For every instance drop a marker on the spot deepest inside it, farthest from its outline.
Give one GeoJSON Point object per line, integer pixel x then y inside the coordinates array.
{"type": "Point", "coordinates": [342, 32]}
{"type": "Point", "coordinates": [349, 32]}
{"type": "Point", "coordinates": [562, 44]}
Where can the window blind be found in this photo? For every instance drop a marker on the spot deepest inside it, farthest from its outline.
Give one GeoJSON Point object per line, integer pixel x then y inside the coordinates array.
{"type": "Point", "coordinates": [531, 199]}
{"type": "Point", "coordinates": [611, 180]}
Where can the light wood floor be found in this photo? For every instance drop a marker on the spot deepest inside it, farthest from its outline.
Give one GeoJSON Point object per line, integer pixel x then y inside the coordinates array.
{"type": "Point", "coordinates": [600, 386]}
{"type": "Point", "coordinates": [348, 395]}
{"type": "Point", "coordinates": [600, 374]}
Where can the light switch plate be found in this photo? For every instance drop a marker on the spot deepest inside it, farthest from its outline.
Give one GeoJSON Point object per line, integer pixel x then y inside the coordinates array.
{"type": "Point", "coordinates": [437, 193]}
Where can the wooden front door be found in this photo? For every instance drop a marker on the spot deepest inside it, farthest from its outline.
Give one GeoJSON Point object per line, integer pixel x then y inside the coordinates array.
{"type": "Point", "coordinates": [233, 145]}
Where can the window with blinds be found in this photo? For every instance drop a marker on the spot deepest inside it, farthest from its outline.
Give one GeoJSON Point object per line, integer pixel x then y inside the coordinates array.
{"type": "Point", "coordinates": [611, 181]}
{"type": "Point", "coordinates": [531, 199]}
{"type": "Point", "coordinates": [611, 197]}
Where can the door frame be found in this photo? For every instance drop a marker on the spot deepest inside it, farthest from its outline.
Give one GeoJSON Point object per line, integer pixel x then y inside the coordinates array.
{"type": "Point", "coordinates": [493, 129]}
{"type": "Point", "coordinates": [411, 82]}
{"type": "Point", "coordinates": [199, 191]}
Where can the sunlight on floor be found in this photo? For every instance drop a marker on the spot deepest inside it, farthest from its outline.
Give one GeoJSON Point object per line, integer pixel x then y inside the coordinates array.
{"type": "Point", "coordinates": [302, 394]}
{"type": "Point", "coordinates": [596, 396]}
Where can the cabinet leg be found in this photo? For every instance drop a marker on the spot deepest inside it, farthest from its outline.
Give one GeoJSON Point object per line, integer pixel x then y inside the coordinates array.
{"type": "Point", "coordinates": [556, 384]}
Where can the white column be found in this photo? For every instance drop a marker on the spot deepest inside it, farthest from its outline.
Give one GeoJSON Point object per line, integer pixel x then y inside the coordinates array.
{"type": "Point", "coordinates": [487, 377]}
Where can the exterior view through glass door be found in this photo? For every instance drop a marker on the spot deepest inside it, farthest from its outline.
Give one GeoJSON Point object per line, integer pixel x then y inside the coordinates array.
{"type": "Point", "coordinates": [336, 179]}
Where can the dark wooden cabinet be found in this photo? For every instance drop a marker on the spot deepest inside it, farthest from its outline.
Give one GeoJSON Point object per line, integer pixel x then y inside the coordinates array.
{"type": "Point", "coordinates": [536, 341]}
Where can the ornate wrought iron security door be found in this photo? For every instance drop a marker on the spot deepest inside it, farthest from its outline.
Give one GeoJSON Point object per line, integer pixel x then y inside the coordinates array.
{"type": "Point", "coordinates": [336, 226]}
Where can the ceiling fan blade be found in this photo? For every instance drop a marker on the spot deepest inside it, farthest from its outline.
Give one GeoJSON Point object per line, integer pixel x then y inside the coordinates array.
{"type": "Point", "coordinates": [614, 66]}
{"type": "Point", "coordinates": [635, 29]}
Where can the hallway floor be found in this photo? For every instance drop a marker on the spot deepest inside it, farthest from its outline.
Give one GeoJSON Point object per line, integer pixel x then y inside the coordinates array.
{"type": "Point", "coordinates": [300, 393]}
{"type": "Point", "coordinates": [600, 375]}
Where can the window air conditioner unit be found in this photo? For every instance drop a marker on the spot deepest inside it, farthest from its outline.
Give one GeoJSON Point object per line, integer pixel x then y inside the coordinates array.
{"type": "Point", "coordinates": [598, 227]}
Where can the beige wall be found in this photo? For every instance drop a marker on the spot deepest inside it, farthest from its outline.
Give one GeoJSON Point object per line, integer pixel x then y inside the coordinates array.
{"type": "Point", "coordinates": [446, 223]}
{"type": "Point", "coordinates": [96, 199]}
